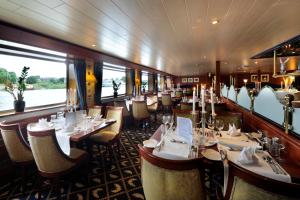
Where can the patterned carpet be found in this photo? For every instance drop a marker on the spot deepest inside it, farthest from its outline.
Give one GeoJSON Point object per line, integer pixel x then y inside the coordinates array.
{"type": "Point", "coordinates": [121, 180]}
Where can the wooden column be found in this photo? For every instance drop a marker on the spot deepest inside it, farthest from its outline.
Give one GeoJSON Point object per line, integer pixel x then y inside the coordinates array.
{"type": "Point", "coordinates": [218, 69]}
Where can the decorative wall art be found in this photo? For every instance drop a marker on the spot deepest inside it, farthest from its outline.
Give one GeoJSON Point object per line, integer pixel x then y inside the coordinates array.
{"type": "Point", "coordinates": [196, 80]}
{"type": "Point", "coordinates": [190, 80]}
{"type": "Point", "coordinates": [184, 80]}
{"type": "Point", "coordinates": [264, 77]}
{"type": "Point", "coordinates": [254, 78]}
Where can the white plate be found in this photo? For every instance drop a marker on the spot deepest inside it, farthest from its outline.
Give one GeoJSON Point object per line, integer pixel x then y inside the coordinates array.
{"type": "Point", "coordinates": [211, 142]}
{"type": "Point", "coordinates": [151, 143]}
{"type": "Point", "coordinates": [211, 154]}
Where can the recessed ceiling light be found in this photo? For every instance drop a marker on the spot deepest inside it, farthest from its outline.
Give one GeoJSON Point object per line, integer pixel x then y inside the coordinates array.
{"type": "Point", "coordinates": [256, 62]}
{"type": "Point", "coordinates": [93, 45]}
{"type": "Point", "coordinates": [215, 21]}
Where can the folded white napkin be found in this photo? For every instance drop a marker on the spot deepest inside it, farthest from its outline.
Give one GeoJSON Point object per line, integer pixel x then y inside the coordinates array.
{"type": "Point", "coordinates": [247, 156]}
{"type": "Point", "coordinates": [43, 124]}
{"type": "Point", "coordinates": [173, 150]}
{"type": "Point", "coordinates": [185, 129]}
{"type": "Point", "coordinates": [233, 131]}
{"type": "Point", "coordinates": [63, 139]}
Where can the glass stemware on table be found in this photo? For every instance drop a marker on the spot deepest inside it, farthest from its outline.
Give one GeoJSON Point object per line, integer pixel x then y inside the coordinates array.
{"type": "Point", "coordinates": [219, 126]}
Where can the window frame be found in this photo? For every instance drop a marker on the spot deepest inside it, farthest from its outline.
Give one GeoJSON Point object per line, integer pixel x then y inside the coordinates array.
{"type": "Point", "coordinates": [113, 67]}
{"type": "Point", "coordinates": [24, 51]}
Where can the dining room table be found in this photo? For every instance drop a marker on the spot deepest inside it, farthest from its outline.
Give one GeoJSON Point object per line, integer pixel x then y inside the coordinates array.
{"type": "Point", "coordinates": [280, 168]}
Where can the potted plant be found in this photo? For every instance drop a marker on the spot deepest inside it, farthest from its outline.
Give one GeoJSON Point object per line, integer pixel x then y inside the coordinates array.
{"type": "Point", "coordinates": [19, 103]}
{"type": "Point", "coordinates": [144, 83]}
{"type": "Point", "coordinates": [116, 87]}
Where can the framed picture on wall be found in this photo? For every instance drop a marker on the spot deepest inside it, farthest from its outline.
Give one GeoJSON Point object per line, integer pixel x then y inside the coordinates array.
{"type": "Point", "coordinates": [254, 78]}
{"type": "Point", "coordinates": [264, 77]}
{"type": "Point", "coordinates": [190, 80]}
{"type": "Point", "coordinates": [184, 80]}
{"type": "Point", "coordinates": [196, 80]}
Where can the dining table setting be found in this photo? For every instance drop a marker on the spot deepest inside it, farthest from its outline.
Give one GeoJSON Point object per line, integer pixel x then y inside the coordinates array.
{"type": "Point", "coordinates": [72, 127]}
{"type": "Point", "coordinates": [247, 150]}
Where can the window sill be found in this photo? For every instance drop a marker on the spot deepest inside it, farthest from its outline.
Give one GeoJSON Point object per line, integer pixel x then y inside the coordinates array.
{"type": "Point", "coordinates": [111, 98]}
{"type": "Point", "coordinates": [8, 113]}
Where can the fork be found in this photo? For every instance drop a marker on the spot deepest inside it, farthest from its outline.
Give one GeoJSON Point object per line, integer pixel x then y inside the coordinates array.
{"type": "Point", "coordinates": [271, 165]}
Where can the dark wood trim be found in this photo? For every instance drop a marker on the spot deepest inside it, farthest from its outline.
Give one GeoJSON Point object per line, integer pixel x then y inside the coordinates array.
{"type": "Point", "coordinates": [271, 185]}
{"type": "Point", "coordinates": [23, 35]}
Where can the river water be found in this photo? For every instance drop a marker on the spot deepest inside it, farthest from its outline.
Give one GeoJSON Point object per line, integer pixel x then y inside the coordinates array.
{"type": "Point", "coordinates": [34, 98]}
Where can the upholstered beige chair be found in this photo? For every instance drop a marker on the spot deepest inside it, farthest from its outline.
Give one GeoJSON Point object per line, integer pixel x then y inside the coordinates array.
{"type": "Point", "coordinates": [17, 147]}
{"type": "Point", "coordinates": [164, 179]}
{"type": "Point", "coordinates": [246, 185]}
{"type": "Point", "coordinates": [126, 111]}
{"type": "Point", "coordinates": [140, 111]}
{"type": "Point", "coordinates": [49, 158]}
{"type": "Point", "coordinates": [95, 111]}
{"type": "Point", "coordinates": [166, 101]}
{"type": "Point", "coordinates": [178, 94]}
{"type": "Point", "coordinates": [110, 135]}
{"type": "Point", "coordinates": [187, 114]}
{"type": "Point", "coordinates": [154, 106]}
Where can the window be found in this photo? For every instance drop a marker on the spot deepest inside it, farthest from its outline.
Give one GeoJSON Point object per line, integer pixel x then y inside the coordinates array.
{"type": "Point", "coordinates": [113, 72]}
{"type": "Point", "coordinates": [46, 81]}
{"type": "Point", "coordinates": [158, 83]}
{"type": "Point", "coordinates": [145, 81]}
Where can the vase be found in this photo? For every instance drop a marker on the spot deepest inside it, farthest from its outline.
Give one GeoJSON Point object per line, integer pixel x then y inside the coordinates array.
{"type": "Point", "coordinates": [115, 94]}
{"type": "Point", "coordinates": [19, 106]}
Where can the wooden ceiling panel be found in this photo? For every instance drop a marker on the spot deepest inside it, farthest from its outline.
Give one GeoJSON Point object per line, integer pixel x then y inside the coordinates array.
{"type": "Point", "coordinates": [175, 36]}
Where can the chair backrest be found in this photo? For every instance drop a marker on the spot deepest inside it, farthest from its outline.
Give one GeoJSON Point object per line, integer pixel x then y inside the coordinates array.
{"type": "Point", "coordinates": [140, 110]}
{"type": "Point", "coordinates": [166, 99]}
{"type": "Point", "coordinates": [47, 154]}
{"type": "Point", "coordinates": [188, 106]}
{"type": "Point", "coordinates": [154, 98]}
{"type": "Point", "coordinates": [115, 113]}
{"type": "Point", "coordinates": [230, 118]}
{"type": "Point", "coordinates": [187, 114]}
{"type": "Point", "coordinates": [169, 179]}
{"type": "Point", "coordinates": [122, 104]}
{"type": "Point", "coordinates": [95, 111]}
{"type": "Point", "coordinates": [16, 145]}
{"type": "Point", "coordinates": [178, 94]}
{"type": "Point", "coordinates": [189, 91]}
{"type": "Point", "coordinates": [246, 185]}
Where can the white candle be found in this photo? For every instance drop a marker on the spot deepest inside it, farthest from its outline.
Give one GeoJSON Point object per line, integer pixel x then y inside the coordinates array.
{"type": "Point", "coordinates": [281, 85]}
{"type": "Point", "coordinates": [202, 98]}
{"type": "Point", "coordinates": [197, 90]}
{"type": "Point", "coordinates": [212, 102]}
{"type": "Point", "coordinates": [194, 101]}
{"type": "Point", "coordinates": [75, 101]}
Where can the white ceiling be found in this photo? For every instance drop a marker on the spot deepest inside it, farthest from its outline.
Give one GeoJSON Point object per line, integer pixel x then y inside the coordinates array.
{"type": "Point", "coordinates": [175, 36]}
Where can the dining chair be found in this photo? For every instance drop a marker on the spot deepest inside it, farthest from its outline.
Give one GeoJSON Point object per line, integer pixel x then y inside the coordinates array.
{"type": "Point", "coordinates": [247, 185]}
{"type": "Point", "coordinates": [17, 147]}
{"type": "Point", "coordinates": [166, 101]}
{"type": "Point", "coordinates": [140, 112]}
{"type": "Point", "coordinates": [165, 179]}
{"type": "Point", "coordinates": [154, 106]}
{"type": "Point", "coordinates": [178, 94]}
{"type": "Point", "coordinates": [126, 112]}
{"type": "Point", "coordinates": [230, 118]}
{"type": "Point", "coordinates": [51, 161]}
{"type": "Point", "coordinates": [110, 136]}
{"type": "Point", "coordinates": [95, 111]}
{"type": "Point", "coordinates": [187, 114]}
{"type": "Point", "coordinates": [189, 91]}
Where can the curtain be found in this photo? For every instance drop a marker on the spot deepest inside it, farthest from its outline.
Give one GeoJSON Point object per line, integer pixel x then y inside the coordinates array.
{"type": "Point", "coordinates": [132, 78]}
{"type": "Point", "coordinates": [80, 76]}
{"type": "Point", "coordinates": [155, 83]}
{"type": "Point", "coordinates": [98, 72]}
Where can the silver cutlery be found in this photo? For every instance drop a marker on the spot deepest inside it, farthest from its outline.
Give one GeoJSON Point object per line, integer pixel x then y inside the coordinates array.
{"type": "Point", "coordinates": [273, 167]}
{"type": "Point", "coordinates": [279, 168]}
{"type": "Point", "coordinates": [178, 141]}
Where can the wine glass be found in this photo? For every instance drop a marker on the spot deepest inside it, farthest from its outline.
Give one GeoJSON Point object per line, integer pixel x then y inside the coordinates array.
{"type": "Point", "coordinates": [165, 120]}
{"type": "Point", "coordinates": [210, 124]}
{"type": "Point", "coordinates": [219, 125]}
{"type": "Point", "coordinates": [171, 121]}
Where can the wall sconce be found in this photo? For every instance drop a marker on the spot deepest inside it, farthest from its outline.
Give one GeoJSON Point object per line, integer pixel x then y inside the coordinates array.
{"type": "Point", "coordinates": [245, 82]}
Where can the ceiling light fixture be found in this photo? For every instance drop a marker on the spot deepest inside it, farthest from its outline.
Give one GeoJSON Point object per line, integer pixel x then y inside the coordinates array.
{"type": "Point", "coordinates": [215, 21]}
{"type": "Point", "coordinates": [256, 62]}
{"type": "Point", "coordinates": [93, 45]}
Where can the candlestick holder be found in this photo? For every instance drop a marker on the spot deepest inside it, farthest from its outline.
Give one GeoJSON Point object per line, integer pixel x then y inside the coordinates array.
{"type": "Point", "coordinates": [203, 122]}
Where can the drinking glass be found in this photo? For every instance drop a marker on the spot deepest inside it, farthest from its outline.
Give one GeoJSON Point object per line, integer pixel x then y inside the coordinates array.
{"type": "Point", "coordinates": [165, 120]}
{"type": "Point", "coordinates": [171, 121]}
{"type": "Point", "coordinates": [210, 125]}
